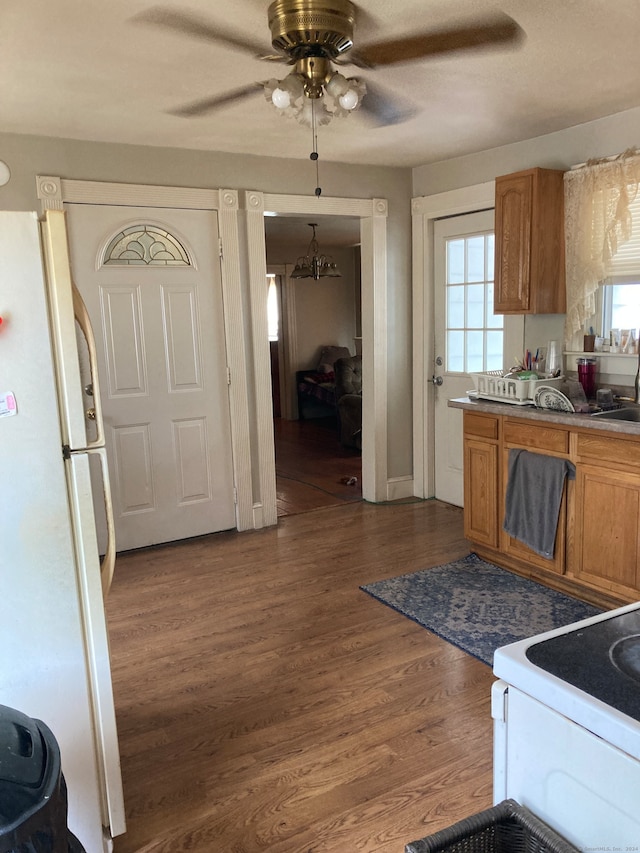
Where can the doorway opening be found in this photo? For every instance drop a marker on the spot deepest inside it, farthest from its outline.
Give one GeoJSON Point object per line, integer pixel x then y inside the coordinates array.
{"type": "Point", "coordinates": [315, 465]}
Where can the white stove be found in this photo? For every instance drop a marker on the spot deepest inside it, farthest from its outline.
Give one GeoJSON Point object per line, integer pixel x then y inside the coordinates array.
{"type": "Point", "coordinates": [567, 728]}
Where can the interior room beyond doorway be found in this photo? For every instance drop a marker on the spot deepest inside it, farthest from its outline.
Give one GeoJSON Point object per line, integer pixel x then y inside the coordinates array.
{"type": "Point", "coordinates": [313, 468]}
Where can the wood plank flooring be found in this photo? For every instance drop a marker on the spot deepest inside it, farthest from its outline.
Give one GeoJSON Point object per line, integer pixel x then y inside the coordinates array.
{"type": "Point", "coordinates": [312, 466]}
{"type": "Point", "coordinates": [265, 703]}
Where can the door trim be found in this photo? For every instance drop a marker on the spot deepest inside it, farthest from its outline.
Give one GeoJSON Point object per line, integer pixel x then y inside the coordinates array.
{"type": "Point", "coordinates": [54, 192]}
{"type": "Point", "coordinates": [424, 211]}
{"type": "Point", "coordinates": [373, 238]}
{"type": "Point", "coordinates": [254, 472]}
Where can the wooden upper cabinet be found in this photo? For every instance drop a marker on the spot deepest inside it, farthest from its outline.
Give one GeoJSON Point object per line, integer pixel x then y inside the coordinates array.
{"type": "Point", "coordinates": [529, 243]}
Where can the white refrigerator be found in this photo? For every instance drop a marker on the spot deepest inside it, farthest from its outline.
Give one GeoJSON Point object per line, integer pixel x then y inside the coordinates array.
{"type": "Point", "coordinates": [54, 648]}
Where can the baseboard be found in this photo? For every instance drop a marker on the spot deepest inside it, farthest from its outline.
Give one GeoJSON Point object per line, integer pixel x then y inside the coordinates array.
{"type": "Point", "coordinates": [399, 487]}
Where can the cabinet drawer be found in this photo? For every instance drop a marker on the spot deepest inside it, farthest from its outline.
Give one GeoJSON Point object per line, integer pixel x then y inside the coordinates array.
{"type": "Point", "coordinates": [533, 434]}
{"type": "Point", "coordinates": [484, 426]}
{"type": "Point", "coordinates": [601, 449]}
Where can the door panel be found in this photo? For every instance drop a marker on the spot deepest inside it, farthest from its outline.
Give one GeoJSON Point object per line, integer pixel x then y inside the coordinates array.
{"type": "Point", "coordinates": [448, 421]}
{"type": "Point", "coordinates": [160, 334]}
{"type": "Point", "coordinates": [471, 339]}
{"type": "Point", "coordinates": [125, 359]}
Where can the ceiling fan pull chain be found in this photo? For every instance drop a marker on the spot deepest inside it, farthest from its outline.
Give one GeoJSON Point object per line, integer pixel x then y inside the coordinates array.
{"type": "Point", "coordinates": [314, 153]}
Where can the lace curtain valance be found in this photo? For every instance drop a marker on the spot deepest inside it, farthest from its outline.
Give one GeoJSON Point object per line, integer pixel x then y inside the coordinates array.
{"type": "Point", "coordinates": [597, 221]}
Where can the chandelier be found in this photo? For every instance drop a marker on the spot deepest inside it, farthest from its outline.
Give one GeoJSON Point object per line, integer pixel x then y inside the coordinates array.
{"type": "Point", "coordinates": [313, 264]}
{"type": "Point", "coordinates": [312, 96]}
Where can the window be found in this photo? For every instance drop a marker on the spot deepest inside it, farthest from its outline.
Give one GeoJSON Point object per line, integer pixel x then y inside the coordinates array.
{"type": "Point", "coordinates": [602, 229]}
{"type": "Point", "coordinates": [273, 318]}
{"type": "Point", "coordinates": [146, 245]}
{"type": "Point", "coordinates": [474, 334]}
{"type": "Point", "coordinates": [620, 307]}
{"type": "Point", "coordinates": [621, 292]}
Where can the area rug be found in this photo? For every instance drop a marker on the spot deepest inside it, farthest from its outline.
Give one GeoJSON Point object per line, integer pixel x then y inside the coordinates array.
{"type": "Point", "coordinates": [478, 606]}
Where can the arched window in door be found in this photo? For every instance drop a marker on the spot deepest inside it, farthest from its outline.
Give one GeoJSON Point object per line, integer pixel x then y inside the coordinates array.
{"type": "Point", "coordinates": [146, 245]}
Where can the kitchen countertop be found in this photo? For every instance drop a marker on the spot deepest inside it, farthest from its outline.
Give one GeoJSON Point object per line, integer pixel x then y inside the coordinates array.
{"type": "Point", "coordinates": [550, 416]}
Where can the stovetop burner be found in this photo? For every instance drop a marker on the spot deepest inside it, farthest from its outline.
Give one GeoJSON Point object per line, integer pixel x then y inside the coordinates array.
{"type": "Point", "coordinates": [602, 659]}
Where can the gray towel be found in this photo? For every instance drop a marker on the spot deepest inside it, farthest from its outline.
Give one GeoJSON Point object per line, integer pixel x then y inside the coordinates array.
{"type": "Point", "coordinates": [534, 494]}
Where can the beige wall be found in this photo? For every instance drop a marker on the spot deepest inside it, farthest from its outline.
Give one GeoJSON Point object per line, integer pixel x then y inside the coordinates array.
{"type": "Point", "coordinates": [560, 150]}
{"type": "Point", "coordinates": [28, 156]}
{"type": "Point", "coordinates": [325, 309]}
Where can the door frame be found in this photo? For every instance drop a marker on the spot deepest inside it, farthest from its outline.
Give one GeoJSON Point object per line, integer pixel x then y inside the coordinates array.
{"type": "Point", "coordinates": [424, 211]}
{"type": "Point", "coordinates": [246, 330]}
{"type": "Point", "coordinates": [54, 192]}
{"type": "Point", "coordinates": [288, 339]}
{"type": "Point", "coordinates": [373, 241]}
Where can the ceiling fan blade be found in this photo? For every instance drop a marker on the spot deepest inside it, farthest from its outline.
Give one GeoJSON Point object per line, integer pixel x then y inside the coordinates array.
{"type": "Point", "coordinates": [385, 109]}
{"type": "Point", "coordinates": [489, 33]}
{"type": "Point", "coordinates": [193, 26]}
{"type": "Point", "coordinates": [206, 105]}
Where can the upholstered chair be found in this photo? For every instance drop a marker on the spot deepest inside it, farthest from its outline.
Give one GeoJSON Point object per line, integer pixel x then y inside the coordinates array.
{"type": "Point", "coordinates": [348, 373]}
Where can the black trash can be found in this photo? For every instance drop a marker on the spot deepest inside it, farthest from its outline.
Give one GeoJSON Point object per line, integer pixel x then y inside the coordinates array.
{"type": "Point", "coordinates": [33, 793]}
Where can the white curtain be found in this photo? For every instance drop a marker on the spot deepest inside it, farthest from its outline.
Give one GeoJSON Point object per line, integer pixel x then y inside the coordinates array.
{"type": "Point", "coordinates": [597, 221]}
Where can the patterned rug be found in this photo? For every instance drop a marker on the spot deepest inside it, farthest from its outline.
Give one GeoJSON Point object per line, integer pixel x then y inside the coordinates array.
{"type": "Point", "coordinates": [478, 606]}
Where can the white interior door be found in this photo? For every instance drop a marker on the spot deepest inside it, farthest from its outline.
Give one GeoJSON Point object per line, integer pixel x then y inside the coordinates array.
{"type": "Point", "coordinates": [465, 330]}
{"type": "Point", "coordinates": [150, 278]}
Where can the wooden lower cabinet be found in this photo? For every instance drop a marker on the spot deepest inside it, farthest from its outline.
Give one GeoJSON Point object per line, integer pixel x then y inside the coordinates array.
{"type": "Point", "coordinates": [607, 515]}
{"type": "Point", "coordinates": [481, 492]}
{"type": "Point", "coordinates": [517, 549]}
{"type": "Point", "coordinates": [551, 441]}
{"type": "Point", "coordinates": [481, 499]}
{"type": "Point", "coordinates": [597, 550]}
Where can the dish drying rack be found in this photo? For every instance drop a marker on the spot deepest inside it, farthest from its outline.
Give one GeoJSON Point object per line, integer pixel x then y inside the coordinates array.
{"type": "Point", "coordinates": [493, 385]}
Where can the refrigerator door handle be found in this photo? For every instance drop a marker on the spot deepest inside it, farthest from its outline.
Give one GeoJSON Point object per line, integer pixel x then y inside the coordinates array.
{"type": "Point", "coordinates": [84, 322]}
{"type": "Point", "coordinates": [109, 559]}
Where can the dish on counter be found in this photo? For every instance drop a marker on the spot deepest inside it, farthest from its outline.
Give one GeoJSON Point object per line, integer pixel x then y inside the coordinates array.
{"type": "Point", "coordinates": [547, 397]}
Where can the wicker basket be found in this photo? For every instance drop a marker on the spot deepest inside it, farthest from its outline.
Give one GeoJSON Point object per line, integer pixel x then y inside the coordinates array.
{"type": "Point", "coordinates": [505, 828]}
{"type": "Point", "coordinates": [494, 386]}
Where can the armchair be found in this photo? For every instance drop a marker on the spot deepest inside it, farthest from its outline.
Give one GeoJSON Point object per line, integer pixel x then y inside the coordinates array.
{"type": "Point", "coordinates": [348, 391]}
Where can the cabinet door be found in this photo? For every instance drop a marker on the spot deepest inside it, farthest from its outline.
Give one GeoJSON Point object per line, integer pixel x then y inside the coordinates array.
{"type": "Point", "coordinates": [481, 492]}
{"type": "Point", "coordinates": [517, 549]}
{"type": "Point", "coordinates": [514, 206]}
{"type": "Point", "coordinates": [529, 260]}
{"type": "Point", "coordinates": [607, 528]}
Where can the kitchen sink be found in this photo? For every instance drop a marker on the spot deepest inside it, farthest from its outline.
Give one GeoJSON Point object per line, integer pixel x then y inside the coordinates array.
{"type": "Point", "coordinates": [627, 413]}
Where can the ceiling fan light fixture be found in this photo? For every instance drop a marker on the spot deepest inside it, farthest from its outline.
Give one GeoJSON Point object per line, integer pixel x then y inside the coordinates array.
{"type": "Point", "coordinates": [287, 95]}
{"type": "Point", "coordinates": [280, 98]}
{"type": "Point", "coordinates": [350, 100]}
{"type": "Point", "coordinates": [339, 96]}
{"type": "Point", "coordinates": [337, 85]}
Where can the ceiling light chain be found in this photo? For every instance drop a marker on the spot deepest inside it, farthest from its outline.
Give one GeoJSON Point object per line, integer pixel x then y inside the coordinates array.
{"type": "Point", "coordinates": [314, 152]}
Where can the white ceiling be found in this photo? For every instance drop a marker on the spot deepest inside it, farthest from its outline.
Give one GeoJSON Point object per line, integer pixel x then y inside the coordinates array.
{"type": "Point", "coordinates": [82, 69]}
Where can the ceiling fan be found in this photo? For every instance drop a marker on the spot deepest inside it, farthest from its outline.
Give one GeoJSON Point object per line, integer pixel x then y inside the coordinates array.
{"type": "Point", "coordinates": [313, 36]}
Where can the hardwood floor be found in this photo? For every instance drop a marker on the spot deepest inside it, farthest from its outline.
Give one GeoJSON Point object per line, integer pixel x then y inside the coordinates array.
{"type": "Point", "coordinates": [265, 702]}
{"type": "Point", "coordinates": [313, 470]}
